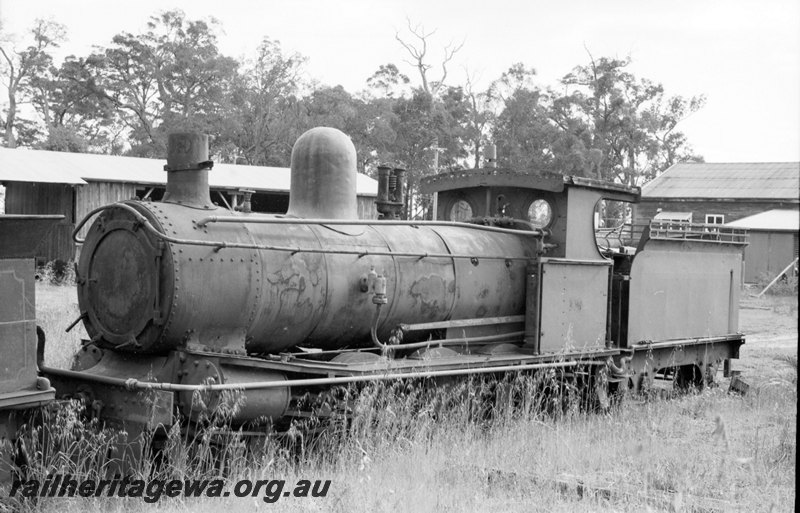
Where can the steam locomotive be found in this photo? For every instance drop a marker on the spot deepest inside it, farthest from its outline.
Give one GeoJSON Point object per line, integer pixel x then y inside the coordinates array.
{"type": "Point", "coordinates": [184, 300]}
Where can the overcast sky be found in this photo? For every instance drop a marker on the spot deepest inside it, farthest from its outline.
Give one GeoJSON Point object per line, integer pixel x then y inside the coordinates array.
{"type": "Point", "coordinates": [743, 55]}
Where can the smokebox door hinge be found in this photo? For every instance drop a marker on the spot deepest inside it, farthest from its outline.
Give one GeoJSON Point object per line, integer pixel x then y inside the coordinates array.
{"type": "Point", "coordinates": [158, 315]}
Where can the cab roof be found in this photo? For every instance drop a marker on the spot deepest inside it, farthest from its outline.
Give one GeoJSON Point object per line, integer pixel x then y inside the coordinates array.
{"type": "Point", "coordinates": [499, 177]}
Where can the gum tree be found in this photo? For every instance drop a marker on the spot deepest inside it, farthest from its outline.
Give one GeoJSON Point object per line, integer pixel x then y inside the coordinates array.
{"type": "Point", "coordinates": [19, 66]}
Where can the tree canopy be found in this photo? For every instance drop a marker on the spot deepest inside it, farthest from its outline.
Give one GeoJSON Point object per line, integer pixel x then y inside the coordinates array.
{"type": "Point", "coordinates": [600, 120]}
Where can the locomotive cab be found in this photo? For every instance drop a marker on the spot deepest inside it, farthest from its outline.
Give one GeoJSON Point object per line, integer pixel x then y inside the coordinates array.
{"type": "Point", "coordinates": [568, 300]}
{"type": "Point", "coordinates": [594, 286]}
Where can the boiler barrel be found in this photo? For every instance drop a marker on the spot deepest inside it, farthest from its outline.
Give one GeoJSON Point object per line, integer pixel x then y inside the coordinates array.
{"type": "Point", "coordinates": [142, 294]}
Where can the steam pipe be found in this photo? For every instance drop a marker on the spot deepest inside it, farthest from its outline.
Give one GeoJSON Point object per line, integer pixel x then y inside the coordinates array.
{"type": "Point", "coordinates": [686, 342]}
{"type": "Point", "coordinates": [135, 384]}
{"type": "Point", "coordinates": [459, 341]}
{"type": "Point", "coordinates": [385, 348]}
{"type": "Point", "coordinates": [202, 222]}
{"type": "Point", "coordinates": [434, 343]}
{"type": "Point", "coordinates": [222, 244]}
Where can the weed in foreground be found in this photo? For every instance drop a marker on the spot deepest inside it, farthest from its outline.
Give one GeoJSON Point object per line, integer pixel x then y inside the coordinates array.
{"type": "Point", "coordinates": [516, 443]}
{"type": "Point", "coordinates": [57, 272]}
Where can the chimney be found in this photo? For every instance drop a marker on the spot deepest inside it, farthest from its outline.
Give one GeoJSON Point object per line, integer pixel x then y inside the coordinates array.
{"type": "Point", "coordinates": [187, 170]}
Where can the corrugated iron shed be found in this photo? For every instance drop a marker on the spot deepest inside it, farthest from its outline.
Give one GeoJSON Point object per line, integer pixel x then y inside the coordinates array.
{"type": "Point", "coordinates": [741, 180]}
{"type": "Point", "coordinates": [20, 165]}
{"type": "Point", "coordinates": [772, 220]}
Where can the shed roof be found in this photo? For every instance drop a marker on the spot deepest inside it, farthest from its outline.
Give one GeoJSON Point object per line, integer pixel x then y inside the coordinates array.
{"type": "Point", "coordinates": [21, 165]}
{"type": "Point", "coordinates": [739, 180]}
{"type": "Point", "coordinates": [772, 220]}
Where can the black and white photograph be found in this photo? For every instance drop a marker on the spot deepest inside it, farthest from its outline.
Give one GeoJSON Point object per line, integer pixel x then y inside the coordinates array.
{"type": "Point", "coordinates": [399, 255]}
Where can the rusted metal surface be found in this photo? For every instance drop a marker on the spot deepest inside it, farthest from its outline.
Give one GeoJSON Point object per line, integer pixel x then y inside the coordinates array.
{"type": "Point", "coordinates": [223, 244]}
{"type": "Point", "coordinates": [17, 325]}
{"type": "Point", "coordinates": [197, 374]}
{"type": "Point", "coordinates": [21, 343]}
{"type": "Point", "coordinates": [681, 289]}
{"type": "Point", "coordinates": [20, 385]}
{"type": "Point", "coordinates": [579, 241]}
{"type": "Point", "coordinates": [119, 279]}
{"type": "Point", "coordinates": [497, 177]}
{"type": "Point", "coordinates": [20, 235]}
{"type": "Point", "coordinates": [135, 384]}
{"type": "Point", "coordinates": [275, 299]}
{"type": "Point", "coordinates": [574, 302]}
{"type": "Point", "coordinates": [738, 385]}
{"type": "Point", "coordinates": [323, 175]}
{"type": "Point", "coordinates": [187, 168]}
{"type": "Point", "coordinates": [511, 319]}
{"type": "Point", "coordinates": [391, 192]}
{"type": "Point", "coordinates": [252, 287]}
{"type": "Point", "coordinates": [687, 361]}
{"type": "Point", "coordinates": [493, 177]}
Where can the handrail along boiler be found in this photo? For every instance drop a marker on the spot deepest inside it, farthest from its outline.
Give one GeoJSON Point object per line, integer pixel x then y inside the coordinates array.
{"type": "Point", "coordinates": [181, 296]}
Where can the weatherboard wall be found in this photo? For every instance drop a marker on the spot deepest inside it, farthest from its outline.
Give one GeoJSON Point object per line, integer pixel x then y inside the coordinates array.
{"type": "Point", "coordinates": [96, 194]}
{"type": "Point", "coordinates": [46, 198]}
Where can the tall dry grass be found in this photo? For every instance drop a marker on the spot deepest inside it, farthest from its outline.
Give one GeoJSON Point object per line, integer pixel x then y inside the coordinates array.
{"type": "Point", "coordinates": [477, 446]}
{"type": "Point", "coordinates": [56, 308]}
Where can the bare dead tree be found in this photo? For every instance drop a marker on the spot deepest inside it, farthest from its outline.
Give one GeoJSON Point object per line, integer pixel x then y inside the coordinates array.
{"type": "Point", "coordinates": [418, 50]}
{"type": "Point", "coordinates": [479, 116]}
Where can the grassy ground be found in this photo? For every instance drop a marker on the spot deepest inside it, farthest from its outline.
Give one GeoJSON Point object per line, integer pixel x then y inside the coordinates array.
{"type": "Point", "coordinates": [706, 451]}
{"type": "Point", "coordinates": [56, 308]}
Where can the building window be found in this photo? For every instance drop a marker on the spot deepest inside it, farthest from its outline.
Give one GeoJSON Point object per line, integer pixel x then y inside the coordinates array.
{"type": "Point", "coordinates": [715, 219]}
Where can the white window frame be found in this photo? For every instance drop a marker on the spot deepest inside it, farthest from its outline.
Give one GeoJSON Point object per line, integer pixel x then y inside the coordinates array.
{"type": "Point", "coordinates": [713, 218]}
